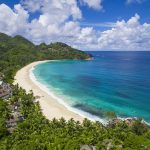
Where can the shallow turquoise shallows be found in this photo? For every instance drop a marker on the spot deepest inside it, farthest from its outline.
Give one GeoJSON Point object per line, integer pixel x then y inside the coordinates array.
{"type": "Point", "coordinates": [113, 81]}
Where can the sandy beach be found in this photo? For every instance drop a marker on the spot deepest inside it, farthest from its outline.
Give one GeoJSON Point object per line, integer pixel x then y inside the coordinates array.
{"type": "Point", "coordinates": [50, 106]}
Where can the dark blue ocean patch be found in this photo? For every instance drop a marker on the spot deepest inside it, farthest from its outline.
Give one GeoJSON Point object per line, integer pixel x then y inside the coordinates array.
{"type": "Point", "coordinates": [122, 94]}
{"type": "Point", "coordinates": [89, 109]}
{"type": "Point", "coordinates": [88, 80]}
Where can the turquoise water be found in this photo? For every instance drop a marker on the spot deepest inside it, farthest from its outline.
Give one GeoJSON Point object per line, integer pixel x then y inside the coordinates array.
{"type": "Point", "coordinates": [113, 81]}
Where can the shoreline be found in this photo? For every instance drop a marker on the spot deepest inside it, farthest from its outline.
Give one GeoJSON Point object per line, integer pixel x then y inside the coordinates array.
{"type": "Point", "coordinates": [61, 101]}
{"type": "Point", "coordinates": [50, 107]}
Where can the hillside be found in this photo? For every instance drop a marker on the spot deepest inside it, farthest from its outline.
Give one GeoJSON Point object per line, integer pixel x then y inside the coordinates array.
{"type": "Point", "coordinates": [16, 52]}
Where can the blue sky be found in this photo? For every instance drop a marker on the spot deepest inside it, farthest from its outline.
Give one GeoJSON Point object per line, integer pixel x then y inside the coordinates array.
{"type": "Point", "coordinates": [85, 24]}
{"type": "Point", "coordinates": [113, 9]}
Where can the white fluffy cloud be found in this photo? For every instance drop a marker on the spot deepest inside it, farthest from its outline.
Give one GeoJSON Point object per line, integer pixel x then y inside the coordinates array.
{"type": "Point", "coordinates": [13, 21]}
{"type": "Point", "coordinates": [130, 35]}
{"type": "Point", "coordinates": [55, 10]}
{"type": "Point", "coordinates": [96, 4]}
{"type": "Point", "coordinates": [60, 21]}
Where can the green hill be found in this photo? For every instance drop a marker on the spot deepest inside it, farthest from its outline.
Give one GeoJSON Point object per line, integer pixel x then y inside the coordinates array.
{"type": "Point", "coordinates": [16, 52]}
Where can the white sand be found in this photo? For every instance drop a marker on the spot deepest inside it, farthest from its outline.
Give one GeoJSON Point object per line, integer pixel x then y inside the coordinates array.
{"type": "Point", "coordinates": [50, 106]}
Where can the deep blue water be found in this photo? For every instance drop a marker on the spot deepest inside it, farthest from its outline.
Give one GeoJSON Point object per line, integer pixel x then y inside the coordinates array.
{"type": "Point", "coordinates": [113, 81]}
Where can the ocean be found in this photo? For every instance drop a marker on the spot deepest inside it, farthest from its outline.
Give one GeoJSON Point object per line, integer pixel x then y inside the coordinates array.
{"type": "Point", "coordinates": [113, 82]}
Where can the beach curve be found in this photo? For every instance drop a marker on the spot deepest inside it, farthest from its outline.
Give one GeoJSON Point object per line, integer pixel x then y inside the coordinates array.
{"type": "Point", "coordinates": [50, 107]}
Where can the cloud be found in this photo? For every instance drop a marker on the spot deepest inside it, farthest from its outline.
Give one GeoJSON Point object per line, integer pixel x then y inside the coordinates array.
{"type": "Point", "coordinates": [101, 24]}
{"type": "Point", "coordinates": [55, 10]}
{"type": "Point", "coordinates": [32, 6]}
{"type": "Point", "coordinates": [130, 35]}
{"type": "Point", "coordinates": [96, 4]}
{"type": "Point", "coordinates": [60, 21]}
{"type": "Point", "coordinates": [135, 1]}
{"type": "Point", "coordinates": [13, 21]}
{"type": "Point", "coordinates": [56, 16]}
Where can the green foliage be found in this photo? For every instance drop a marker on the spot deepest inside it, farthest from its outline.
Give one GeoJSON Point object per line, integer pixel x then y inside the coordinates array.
{"type": "Point", "coordinates": [138, 127]}
{"type": "Point", "coordinates": [38, 133]}
{"type": "Point", "coordinates": [3, 117]}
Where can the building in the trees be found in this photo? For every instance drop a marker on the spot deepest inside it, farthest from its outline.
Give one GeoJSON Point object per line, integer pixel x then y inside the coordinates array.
{"type": "Point", "coordinates": [5, 90]}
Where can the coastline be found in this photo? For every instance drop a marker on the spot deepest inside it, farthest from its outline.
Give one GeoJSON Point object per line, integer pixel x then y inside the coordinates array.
{"type": "Point", "coordinates": [51, 107]}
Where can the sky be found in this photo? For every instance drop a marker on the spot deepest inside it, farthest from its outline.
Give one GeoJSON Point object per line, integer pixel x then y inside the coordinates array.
{"type": "Point", "coordinates": [83, 24]}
